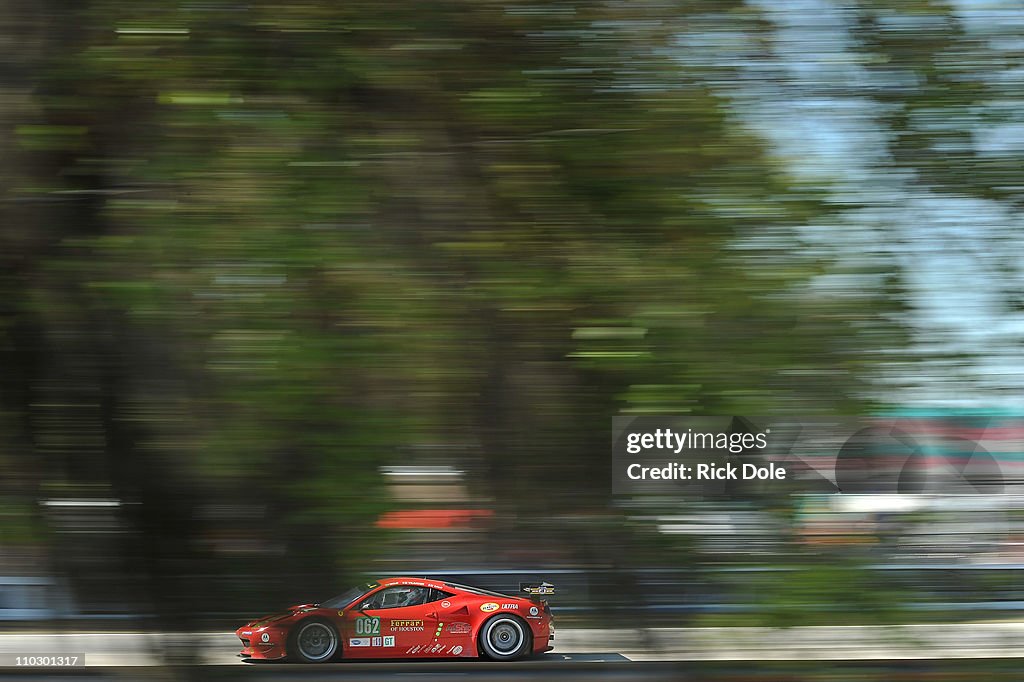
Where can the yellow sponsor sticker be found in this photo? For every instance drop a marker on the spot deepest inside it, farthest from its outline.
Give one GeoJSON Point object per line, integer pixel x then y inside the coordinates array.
{"type": "Point", "coordinates": [488, 607]}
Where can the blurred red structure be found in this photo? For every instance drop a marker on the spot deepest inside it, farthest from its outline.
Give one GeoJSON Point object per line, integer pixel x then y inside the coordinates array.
{"type": "Point", "coordinates": [418, 519]}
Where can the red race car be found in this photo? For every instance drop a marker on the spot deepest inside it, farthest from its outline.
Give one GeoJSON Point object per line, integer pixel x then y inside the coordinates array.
{"type": "Point", "coordinates": [407, 618]}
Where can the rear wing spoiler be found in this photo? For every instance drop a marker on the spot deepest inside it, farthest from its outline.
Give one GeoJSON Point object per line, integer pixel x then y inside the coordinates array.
{"type": "Point", "coordinates": [537, 589]}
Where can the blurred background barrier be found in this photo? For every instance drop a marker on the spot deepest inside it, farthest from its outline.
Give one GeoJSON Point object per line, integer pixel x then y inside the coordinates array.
{"type": "Point", "coordinates": [654, 598]}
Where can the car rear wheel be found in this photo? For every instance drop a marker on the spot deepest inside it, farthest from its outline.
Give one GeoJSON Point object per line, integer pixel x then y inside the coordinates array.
{"type": "Point", "coordinates": [313, 641]}
{"type": "Point", "coordinates": [505, 638]}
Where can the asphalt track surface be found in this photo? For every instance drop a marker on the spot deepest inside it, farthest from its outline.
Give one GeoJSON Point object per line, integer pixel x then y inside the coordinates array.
{"type": "Point", "coordinates": [975, 651]}
{"type": "Point", "coordinates": [553, 667]}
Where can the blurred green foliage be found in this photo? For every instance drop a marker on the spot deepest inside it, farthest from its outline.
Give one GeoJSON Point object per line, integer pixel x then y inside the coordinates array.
{"type": "Point", "coordinates": [251, 250]}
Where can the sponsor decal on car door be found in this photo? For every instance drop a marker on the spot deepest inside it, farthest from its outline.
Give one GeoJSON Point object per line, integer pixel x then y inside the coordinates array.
{"type": "Point", "coordinates": [390, 633]}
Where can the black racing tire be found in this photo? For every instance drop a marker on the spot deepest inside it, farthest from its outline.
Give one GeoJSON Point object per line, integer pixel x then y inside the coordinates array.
{"type": "Point", "coordinates": [313, 641]}
{"type": "Point", "coordinates": [505, 637]}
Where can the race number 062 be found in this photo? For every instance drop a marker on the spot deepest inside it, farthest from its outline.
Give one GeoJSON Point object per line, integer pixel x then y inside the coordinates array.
{"type": "Point", "coordinates": [368, 626]}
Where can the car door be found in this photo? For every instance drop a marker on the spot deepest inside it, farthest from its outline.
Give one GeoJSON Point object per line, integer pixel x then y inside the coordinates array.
{"type": "Point", "coordinates": [395, 621]}
{"type": "Point", "coordinates": [454, 632]}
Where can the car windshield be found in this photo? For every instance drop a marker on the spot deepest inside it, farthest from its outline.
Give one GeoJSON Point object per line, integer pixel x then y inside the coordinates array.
{"type": "Point", "coordinates": [349, 596]}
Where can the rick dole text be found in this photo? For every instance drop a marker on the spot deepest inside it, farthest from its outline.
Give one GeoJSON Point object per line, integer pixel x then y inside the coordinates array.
{"type": "Point", "coordinates": [707, 472]}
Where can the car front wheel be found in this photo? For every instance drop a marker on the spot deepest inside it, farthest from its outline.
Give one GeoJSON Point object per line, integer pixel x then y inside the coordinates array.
{"type": "Point", "coordinates": [313, 641]}
{"type": "Point", "coordinates": [505, 638]}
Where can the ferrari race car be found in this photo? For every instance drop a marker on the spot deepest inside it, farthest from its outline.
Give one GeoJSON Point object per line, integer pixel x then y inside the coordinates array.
{"type": "Point", "coordinates": [407, 618]}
